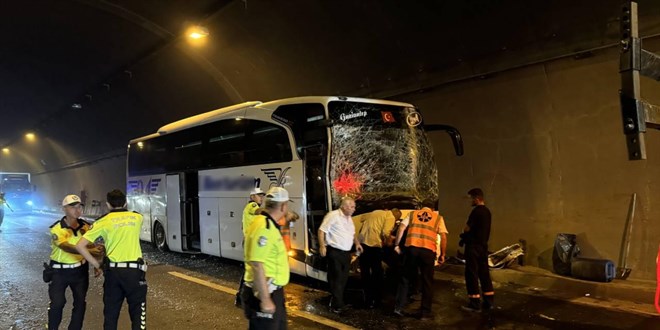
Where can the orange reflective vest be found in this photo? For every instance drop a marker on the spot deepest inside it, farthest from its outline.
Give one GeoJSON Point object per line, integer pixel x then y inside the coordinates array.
{"type": "Point", "coordinates": [284, 231]}
{"type": "Point", "coordinates": [423, 229]}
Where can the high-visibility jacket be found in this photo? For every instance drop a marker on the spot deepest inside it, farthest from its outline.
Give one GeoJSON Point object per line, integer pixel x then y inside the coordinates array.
{"type": "Point", "coordinates": [423, 229]}
{"type": "Point", "coordinates": [285, 232]}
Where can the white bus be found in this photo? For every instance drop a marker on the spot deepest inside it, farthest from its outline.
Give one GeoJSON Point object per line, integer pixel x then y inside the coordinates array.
{"type": "Point", "coordinates": [191, 179]}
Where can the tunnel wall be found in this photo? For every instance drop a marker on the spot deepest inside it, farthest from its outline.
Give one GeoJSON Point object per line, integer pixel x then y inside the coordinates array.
{"type": "Point", "coordinates": [546, 145]}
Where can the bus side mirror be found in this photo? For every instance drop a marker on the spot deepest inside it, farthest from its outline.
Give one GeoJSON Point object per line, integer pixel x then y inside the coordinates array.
{"type": "Point", "coordinates": [454, 134]}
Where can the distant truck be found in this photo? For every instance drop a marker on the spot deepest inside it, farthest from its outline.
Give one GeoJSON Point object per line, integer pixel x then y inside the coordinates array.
{"type": "Point", "coordinates": [18, 190]}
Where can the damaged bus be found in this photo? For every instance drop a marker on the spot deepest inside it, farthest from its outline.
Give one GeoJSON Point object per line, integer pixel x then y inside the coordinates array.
{"type": "Point", "coordinates": [191, 179]}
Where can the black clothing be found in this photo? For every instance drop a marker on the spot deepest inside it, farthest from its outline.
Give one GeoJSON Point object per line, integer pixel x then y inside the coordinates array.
{"type": "Point", "coordinates": [120, 284]}
{"type": "Point", "coordinates": [476, 251]}
{"type": "Point", "coordinates": [258, 320]}
{"type": "Point", "coordinates": [476, 269]}
{"type": "Point", "coordinates": [417, 259]}
{"type": "Point", "coordinates": [339, 262]}
{"type": "Point", "coordinates": [371, 269]}
{"type": "Point", "coordinates": [479, 223]}
{"type": "Point", "coordinates": [78, 280]}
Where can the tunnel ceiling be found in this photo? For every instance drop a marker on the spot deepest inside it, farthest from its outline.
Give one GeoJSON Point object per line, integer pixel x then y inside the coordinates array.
{"type": "Point", "coordinates": [87, 75]}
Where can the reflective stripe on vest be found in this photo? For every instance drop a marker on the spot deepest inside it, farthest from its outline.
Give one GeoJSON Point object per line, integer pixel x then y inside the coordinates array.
{"type": "Point", "coordinates": [423, 229]}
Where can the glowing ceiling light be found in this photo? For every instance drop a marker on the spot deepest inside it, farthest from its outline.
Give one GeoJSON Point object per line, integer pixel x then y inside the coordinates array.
{"type": "Point", "coordinates": [30, 136]}
{"type": "Point", "coordinates": [5, 151]}
{"type": "Point", "coordinates": [198, 32]}
{"type": "Point", "coordinates": [140, 144]}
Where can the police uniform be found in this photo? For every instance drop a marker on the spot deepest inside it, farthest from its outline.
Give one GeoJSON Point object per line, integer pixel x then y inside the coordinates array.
{"type": "Point", "coordinates": [69, 270]}
{"type": "Point", "coordinates": [124, 269]}
{"type": "Point", "coordinates": [264, 244]}
{"type": "Point", "coordinates": [421, 246]}
{"type": "Point", "coordinates": [249, 213]}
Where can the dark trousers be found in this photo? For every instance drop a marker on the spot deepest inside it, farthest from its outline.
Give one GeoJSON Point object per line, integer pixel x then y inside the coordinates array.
{"type": "Point", "coordinates": [476, 269]}
{"type": "Point", "coordinates": [339, 262]}
{"type": "Point", "coordinates": [371, 269]}
{"type": "Point", "coordinates": [120, 284]}
{"type": "Point", "coordinates": [241, 285]}
{"type": "Point", "coordinates": [78, 280]}
{"type": "Point", "coordinates": [258, 320]}
{"type": "Point", "coordinates": [417, 260]}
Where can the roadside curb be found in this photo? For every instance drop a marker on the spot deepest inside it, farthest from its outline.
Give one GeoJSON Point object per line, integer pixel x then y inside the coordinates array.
{"type": "Point", "coordinates": [536, 281]}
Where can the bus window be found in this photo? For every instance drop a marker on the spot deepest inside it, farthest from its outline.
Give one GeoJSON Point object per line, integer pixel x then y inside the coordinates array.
{"type": "Point", "coordinates": [301, 118]}
{"type": "Point", "coordinates": [268, 143]}
{"type": "Point", "coordinates": [226, 143]}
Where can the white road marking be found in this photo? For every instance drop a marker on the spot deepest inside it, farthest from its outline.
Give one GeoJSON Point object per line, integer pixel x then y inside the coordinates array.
{"type": "Point", "coordinates": [303, 314]}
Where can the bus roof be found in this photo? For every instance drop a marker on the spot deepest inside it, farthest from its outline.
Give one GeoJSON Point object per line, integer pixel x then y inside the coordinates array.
{"type": "Point", "coordinates": [272, 105]}
{"type": "Point", "coordinates": [221, 113]}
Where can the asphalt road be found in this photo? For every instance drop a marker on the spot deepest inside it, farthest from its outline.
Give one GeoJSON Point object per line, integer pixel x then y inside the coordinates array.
{"type": "Point", "coordinates": [196, 292]}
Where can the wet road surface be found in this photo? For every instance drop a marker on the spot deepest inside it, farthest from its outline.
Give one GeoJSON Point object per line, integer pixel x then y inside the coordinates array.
{"type": "Point", "coordinates": [196, 292]}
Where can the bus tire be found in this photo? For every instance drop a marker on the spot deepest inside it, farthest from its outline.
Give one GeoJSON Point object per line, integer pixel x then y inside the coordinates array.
{"type": "Point", "coordinates": [159, 240]}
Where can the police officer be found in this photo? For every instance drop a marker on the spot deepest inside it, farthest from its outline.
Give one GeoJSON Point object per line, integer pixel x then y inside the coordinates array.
{"type": "Point", "coordinates": [266, 265]}
{"type": "Point", "coordinates": [421, 245]}
{"type": "Point", "coordinates": [249, 212]}
{"type": "Point", "coordinates": [124, 269]}
{"type": "Point", "coordinates": [69, 269]}
{"type": "Point", "coordinates": [374, 229]}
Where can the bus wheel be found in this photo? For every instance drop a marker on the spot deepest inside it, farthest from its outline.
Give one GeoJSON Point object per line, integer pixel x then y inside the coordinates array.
{"type": "Point", "coordinates": [159, 240]}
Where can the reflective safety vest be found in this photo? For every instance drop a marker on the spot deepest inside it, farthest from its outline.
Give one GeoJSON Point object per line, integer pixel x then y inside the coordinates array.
{"type": "Point", "coordinates": [285, 231]}
{"type": "Point", "coordinates": [423, 229]}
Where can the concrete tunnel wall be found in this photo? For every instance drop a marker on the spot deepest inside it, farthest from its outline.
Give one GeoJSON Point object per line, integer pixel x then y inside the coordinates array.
{"type": "Point", "coordinates": [544, 142]}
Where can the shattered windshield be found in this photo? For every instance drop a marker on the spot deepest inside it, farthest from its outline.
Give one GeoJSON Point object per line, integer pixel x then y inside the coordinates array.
{"type": "Point", "coordinates": [381, 154]}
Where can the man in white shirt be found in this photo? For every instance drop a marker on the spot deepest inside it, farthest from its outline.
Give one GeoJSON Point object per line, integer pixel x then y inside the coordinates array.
{"type": "Point", "coordinates": [336, 238]}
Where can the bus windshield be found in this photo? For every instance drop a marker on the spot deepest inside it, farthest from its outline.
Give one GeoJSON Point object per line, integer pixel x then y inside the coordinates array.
{"type": "Point", "coordinates": [381, 154]}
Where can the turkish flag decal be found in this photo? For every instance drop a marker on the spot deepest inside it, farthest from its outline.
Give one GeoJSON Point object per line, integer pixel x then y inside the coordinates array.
{"type": "Point", "coordinates": [387, 117]}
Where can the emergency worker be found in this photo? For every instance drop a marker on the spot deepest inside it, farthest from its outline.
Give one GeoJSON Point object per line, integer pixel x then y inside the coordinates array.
{"type": "Point", "coordinates": [373, 235]}
{"type": "Point", "coordinates": [285, 227]}
{"type": "Point", "coordinates": [123, 267]}
{"type": "Point", "coordinates": [251, 210]}
{"type": "Point", "coordinates": [67, 268]}
{"type": "Point", "coordinates": [421, 245]}
{"type": "Point", "coordinates": [266, 265]}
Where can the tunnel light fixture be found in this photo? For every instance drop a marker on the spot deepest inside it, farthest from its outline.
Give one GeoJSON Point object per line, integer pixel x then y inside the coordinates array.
{"type": "Point", "coordinates": [5, 151]}
{"type": "Point", "coordinates": [30, 136]}
{"type": "Point", "coordinates": [197, 32]}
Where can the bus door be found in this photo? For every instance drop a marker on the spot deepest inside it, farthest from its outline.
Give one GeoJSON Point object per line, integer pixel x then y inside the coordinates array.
{"type": "Point", "coordinates": [173, 231]}
{"type": "Point", "coordinates": [183, 212]}
{"type": "Point", "coordinates": [190, 211]}
{"type": "Point", "coordinates": [317, 202]}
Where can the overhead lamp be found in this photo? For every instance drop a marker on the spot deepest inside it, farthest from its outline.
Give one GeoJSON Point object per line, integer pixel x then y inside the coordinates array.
{"type": "Point", "coordinates": [30, 136]}
{"type": "Point", "coordinates": [197, 32]}
{"type": "Point", "coordinates": [5, 151]}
